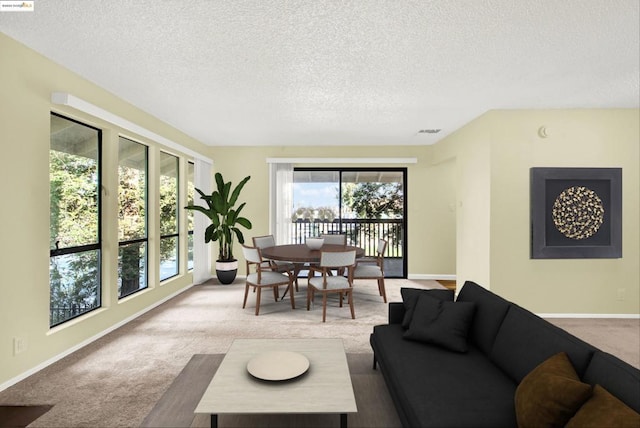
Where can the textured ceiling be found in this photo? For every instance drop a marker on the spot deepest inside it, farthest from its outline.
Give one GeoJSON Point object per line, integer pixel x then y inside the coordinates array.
{"type": "Point", "coordinates": [276, 72]}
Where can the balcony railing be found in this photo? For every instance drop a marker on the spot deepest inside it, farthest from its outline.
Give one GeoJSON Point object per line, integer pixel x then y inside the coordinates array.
{"type": "Point", "coordinates": [363, 233]}
{"type": "Point", "coordinates": [60, 314]}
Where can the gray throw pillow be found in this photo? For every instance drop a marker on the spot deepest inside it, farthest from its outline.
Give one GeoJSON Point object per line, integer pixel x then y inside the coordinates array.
{"type": "Point", "coordinates": [410, 298]}
{"type": "Point", "coordinates": [442, 323]}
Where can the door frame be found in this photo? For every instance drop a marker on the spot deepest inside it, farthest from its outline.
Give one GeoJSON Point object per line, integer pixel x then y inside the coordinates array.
{"type": "Point", "coordinates": [403, 170]}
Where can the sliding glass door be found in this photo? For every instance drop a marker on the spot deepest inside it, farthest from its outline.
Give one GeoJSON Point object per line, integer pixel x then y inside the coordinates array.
{"type": "Point", "coordinates": [363, 203]}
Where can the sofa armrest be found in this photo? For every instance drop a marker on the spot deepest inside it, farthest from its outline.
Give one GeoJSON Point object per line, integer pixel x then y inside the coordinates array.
{"type": "Point", "coordinates": [396, 312]}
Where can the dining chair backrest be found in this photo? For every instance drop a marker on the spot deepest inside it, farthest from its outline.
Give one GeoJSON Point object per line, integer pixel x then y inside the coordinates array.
{"type": "Point", "coordinates": [337, 258]}
{"type": "Point", "coordinates": [251, 254]}
{"type": "Point", "coordinates": [335, 239]}
{"type": "Point", "coordinates": [264, 241]}
{"type": "Point", "coordinates": [382, 246]}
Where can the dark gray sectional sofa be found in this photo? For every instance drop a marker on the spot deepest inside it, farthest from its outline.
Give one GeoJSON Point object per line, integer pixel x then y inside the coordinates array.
{"type": "Point", "coordinates": [432, 386]}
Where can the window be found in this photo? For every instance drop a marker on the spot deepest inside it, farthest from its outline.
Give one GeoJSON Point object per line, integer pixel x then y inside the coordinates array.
{"type": "Point", "coordinates": [190, 201]}
{"type": "Point", "coordinates": [132, 217]}
{"type": "Point", "coordinates": [364, 203]}
{"type": "Point", "coordinates": [169, 242]}
{"type": "Point", "coordinates": [74, 225]}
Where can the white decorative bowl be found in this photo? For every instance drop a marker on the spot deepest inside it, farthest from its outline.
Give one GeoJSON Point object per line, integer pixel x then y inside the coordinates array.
{"type": "Point", "coordinates": [278, 365]}
{"type": "Point", "coordinates": [314, 243]}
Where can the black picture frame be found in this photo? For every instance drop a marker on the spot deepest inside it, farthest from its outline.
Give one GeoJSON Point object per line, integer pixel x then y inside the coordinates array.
{"type": "Point", "coordinates": [557, 194]}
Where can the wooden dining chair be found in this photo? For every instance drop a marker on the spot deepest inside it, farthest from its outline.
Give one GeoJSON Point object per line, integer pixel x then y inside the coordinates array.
{"type": "Point", "coordinates": [373, 268]}
{"type": "Point", "coordinates": [263, 277]}
{"type": "Point", "coordinates": [276, 265]}
{"type": "Point", "coordinates": [335, 239]}
{"type": "Point", "coordinates": [327, 283]}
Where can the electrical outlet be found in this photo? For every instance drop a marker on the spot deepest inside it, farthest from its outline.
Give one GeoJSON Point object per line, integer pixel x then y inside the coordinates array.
{"type": "Point", "coordinates": [19, 345]}
{"type": "Point", "coordinates": [621, 293]}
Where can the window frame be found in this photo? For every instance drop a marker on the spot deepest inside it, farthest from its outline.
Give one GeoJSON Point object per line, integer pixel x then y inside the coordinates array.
{"type": "Point", "coordinates": [402, 170]}
{"type": "Point", "coordinates": [177, 232]}
{"type": "Point", "coordinates": [78, 249]}
{"type": "Point", "coordinates": [146, 219]}
{"type": "Point", "coordinates": [189, 214]}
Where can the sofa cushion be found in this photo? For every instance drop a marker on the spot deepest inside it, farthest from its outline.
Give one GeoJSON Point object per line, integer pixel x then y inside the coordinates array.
{"type": "Point", "coordinates": [604, 410]}
{"type": "Point", "coordinates": [490, 311]}
{"type": "Point", "coordinates": [551, 394]}
{"type": "Point", "coordinates": [410, 298]}
{"type": "Point", "coordinates": [525, 340]}
{"type": "Point", "coordinates": [434, 387]}
{"type": "Point", "coordinates": [616, 376]}
{"type": "Point", "coordinates": [442, 323]}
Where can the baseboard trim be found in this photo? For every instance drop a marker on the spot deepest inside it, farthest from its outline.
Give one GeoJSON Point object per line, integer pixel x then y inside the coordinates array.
{"type": "Point", "coordinates": [618, 316]}
{"type": "Point", "coordinates": [433, 277]}
{"type": "Point", "coordinates": [86, 342]}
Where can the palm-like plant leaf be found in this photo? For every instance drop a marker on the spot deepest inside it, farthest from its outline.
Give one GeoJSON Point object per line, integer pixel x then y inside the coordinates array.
{"type": "Point", "coordinates": [204, 196]}
{"type": "Point", "coordinates": [238, 234]}
{"type": "Point", "coordinates": [218, 203]}
{"type": "Point", "coordinates": [203, 210]}
{"type": "Point", "coordinates": [236, 192]}
{"type": "Point", "coordinates": [244, 222]}
{"type": "Point", "coordinates": [219, 182]}
{"type": "Point", "coordinates": [231, 217]}
{"type": "Point", "coordinates": [209, 233]}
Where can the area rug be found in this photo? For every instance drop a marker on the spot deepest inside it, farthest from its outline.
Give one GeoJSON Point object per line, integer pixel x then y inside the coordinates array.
{"type": "Point", "coordinates": [175, 408]}
{"type": "Point", "coordinates": [20, 416]}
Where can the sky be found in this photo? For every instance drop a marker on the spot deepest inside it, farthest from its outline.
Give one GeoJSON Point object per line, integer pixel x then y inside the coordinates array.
{"type": "Point", "coordinates": [315, 195]}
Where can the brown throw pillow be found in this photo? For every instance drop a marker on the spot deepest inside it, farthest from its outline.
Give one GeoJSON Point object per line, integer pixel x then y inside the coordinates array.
{"type": "Point", "coordinates": [604, 410]}
{"type": "Point", "coordinates": [550, 394]}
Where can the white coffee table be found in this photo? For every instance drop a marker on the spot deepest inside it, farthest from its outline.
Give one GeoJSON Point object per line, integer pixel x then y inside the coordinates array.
{"type": "Point", "coordinates": [324, 388]}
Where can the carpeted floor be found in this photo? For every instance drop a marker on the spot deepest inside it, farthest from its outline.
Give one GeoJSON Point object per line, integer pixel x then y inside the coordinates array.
{"type": "Point", "coordinates": [117, 380]}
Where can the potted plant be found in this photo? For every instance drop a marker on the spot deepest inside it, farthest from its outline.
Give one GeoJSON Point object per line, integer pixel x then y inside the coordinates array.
{"type": "Point", "coordinates": [225, 220]}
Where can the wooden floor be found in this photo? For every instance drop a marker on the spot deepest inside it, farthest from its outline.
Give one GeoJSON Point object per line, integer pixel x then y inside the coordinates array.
{"type": "Point", "coordinates": [175, 408]}
{"type": "Point", "coordinates": [20, 416]}
{"type": "Point", "coordinates": [449, 283]}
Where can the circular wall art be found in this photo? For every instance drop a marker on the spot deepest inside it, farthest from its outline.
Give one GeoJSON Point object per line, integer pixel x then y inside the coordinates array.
{"type": "Point", "coordinates": [578, 212]}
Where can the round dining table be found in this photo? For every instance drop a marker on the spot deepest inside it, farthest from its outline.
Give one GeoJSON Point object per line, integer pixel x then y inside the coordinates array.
{"type": "Point", "coordinates": [300, 253]}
